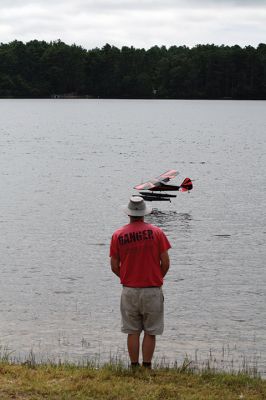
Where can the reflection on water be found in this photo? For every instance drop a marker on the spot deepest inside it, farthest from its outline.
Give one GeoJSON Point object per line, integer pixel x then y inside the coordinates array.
{"type": "Point", "coordinates": [170, 220]}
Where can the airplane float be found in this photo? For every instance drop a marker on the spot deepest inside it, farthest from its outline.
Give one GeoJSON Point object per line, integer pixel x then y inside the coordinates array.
{"type": "Point", "coordinates": [149, 190]}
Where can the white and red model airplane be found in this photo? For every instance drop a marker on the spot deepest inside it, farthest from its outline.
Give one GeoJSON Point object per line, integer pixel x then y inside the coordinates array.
{"type": "Point", "coordinates": [160, 184]}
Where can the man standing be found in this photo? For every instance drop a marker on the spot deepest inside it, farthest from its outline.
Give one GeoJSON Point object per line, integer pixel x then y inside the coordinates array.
{"type": "Point", "coordinates": [139, 257]}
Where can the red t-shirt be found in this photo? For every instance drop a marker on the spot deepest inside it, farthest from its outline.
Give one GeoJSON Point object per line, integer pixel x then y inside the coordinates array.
{"type": "Point", "coordinates": [139, 246]}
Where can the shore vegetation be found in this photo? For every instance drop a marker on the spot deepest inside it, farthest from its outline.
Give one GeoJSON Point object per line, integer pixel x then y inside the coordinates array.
{"type": "Point", "coordinates": [29, 381]}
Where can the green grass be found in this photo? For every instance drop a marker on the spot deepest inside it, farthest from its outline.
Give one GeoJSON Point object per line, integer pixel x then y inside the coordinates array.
{"type": "Point", "coordinates": [115, 382]}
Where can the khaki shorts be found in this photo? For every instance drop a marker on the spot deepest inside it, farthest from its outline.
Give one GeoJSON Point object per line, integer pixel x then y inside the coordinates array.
{"type": "Point", "coordinates": [142, 309]}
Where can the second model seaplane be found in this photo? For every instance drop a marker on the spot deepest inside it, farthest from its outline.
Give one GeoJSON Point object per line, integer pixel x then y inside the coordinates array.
{"type": "Point", "coordinates": [149, 190]}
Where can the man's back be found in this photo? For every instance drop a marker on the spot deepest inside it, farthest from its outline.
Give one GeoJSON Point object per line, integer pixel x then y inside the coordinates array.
{"type": "Point", "coordinates": [139, 246]}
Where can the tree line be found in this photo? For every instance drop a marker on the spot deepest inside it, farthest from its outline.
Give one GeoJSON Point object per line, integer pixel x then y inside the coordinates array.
{"type": "Point", "coordinates": [38, 69]}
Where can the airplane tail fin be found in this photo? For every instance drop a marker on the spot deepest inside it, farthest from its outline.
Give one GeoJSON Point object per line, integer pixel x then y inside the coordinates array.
{"type": "Point", "coordinates": [186, 185]}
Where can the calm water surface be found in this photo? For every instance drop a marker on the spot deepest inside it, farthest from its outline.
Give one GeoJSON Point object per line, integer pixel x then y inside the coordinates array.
{"type": "Point", "coordinates": [66, 168]}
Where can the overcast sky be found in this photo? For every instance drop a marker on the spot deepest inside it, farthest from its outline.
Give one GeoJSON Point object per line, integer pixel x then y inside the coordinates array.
{"type": "Point", "coordinates": [140, 23]}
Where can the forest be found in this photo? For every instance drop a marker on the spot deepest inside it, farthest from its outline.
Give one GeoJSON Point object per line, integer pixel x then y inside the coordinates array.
{"type": "Point", "coordinates": [38, 69]}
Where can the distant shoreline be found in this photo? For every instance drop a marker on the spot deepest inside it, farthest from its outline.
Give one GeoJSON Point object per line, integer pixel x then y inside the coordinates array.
{"type": "Point", "coordinates": [39, 69]}
{"type": "Point", "coordinates": [129, 98]}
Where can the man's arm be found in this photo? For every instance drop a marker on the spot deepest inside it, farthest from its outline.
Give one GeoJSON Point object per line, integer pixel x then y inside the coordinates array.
{"type": "Point", "coordinates": [165, 262]}
{"type": "Point", "coordinates": [115, 265]}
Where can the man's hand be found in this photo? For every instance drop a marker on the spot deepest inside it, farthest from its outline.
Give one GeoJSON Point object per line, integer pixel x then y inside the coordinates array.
{"type": "Point", "coordinates": [115, 265]}
{"type": "Point", "coordinates": [165, 262]}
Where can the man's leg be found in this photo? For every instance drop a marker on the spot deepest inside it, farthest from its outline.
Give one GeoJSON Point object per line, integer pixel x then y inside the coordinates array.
{"type": "Point", "coordinates": [148, 346]}
{"type": "Point", "coordinates": [133, 347]}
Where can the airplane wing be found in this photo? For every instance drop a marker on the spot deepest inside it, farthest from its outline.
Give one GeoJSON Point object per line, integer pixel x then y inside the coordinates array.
{"type": "Point", "coordinates": [165, 177]}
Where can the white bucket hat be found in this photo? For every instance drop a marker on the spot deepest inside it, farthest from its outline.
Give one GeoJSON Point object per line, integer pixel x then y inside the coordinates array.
{"type": "Point", "coordinates": [137, 207]}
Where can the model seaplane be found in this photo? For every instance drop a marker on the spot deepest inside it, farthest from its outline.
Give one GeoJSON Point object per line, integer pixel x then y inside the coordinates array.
{"type": "Point", "coordinates": [149, 190]}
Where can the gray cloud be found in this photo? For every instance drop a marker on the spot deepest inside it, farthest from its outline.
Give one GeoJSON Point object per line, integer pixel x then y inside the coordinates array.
{"type": "Point", "coordinates": [136, 4]}
{"type": "Point", "coordinates": [143, 23]}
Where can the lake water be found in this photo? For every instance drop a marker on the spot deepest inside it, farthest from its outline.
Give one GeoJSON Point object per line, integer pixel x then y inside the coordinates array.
{"type": "Point", "coordinates": [66, 168]}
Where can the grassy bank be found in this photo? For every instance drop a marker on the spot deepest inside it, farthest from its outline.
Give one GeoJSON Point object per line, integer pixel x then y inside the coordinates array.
{"type": "Point", "coordinates": [65, 382]}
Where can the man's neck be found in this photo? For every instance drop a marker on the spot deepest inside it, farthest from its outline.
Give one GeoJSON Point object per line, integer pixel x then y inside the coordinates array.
{"type": "Point", "coordinates": [136, 219]}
